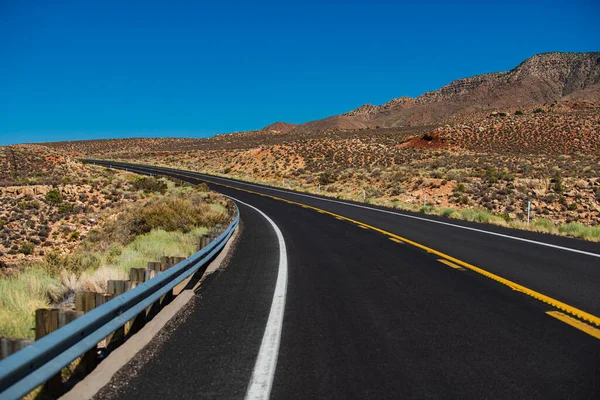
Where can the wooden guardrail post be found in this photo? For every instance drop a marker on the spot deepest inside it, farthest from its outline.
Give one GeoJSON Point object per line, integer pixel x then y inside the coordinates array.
{"type": "Point", "coordinates": [203, 241]}
{"type": "Point", "coordinates": [154, 266]}
{"type": "Point", "coordinates": [101, 298]}
{"type": "Point", "coordinates": [46, 322]}
{"type": "Point", "coordinates": [85, 301]}
{"type": "Point", "coordinates": [66, 317]}
{"type": "Point", "coordinates": [116, 288]}
{"type": "Point", "coordinates": [9, 346]}
{"type": "Point", "coordinates": [137, 276]}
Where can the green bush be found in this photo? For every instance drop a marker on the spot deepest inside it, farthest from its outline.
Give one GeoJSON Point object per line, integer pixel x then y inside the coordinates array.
{"type": "Point", "coordinates": [447, 212]}
{"type": "Point", "coordinates": [54, 197]}
{"type": "Point", "coordinates": [175, 214]}
{"type": "Point", "coordinates": [543, 223]}
{"type": "Point", "coordinates": [518, 112]}
{"type": "Point", "coordinates": [65, 208]}
{"type": "Point", "coordinates": [427, 209]}
{"type": "Point", "coordinates": [557, 183]}
{"type": "Point", "coordinates": [326, 178]}
{"type": "Point", "coordinates": [475, 215]}
{"type": "Point", "coordinates": [26, 248]}
{"type": "Point", "coordinates": [580, 231]}
{"type": "Point", "coordinates": [459, 188]}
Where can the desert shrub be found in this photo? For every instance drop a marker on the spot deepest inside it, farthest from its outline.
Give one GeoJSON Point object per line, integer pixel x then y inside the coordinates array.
{"type": "Point", "coordinates": [447, 212]}
{"type": "Point", "coordinates": [572, 207]}
{"type": "Point", "coordinates": [372, 192]}
{"type": "Point", "coordinates": [26, 248]}
{"type": "Point", "coordinates": [55, 262]}
{"type": "Point", "coordinates": [395, 191]}
{"type": "Point", "coordinates": [459, 188]}
{"type": "Point", "coordinates": [542, 223]}
{"type": "Point", "coordinates": [175, 214]}
{"type": "Point", "coordinates": [557, 182]}
{"type": "Point", "coordinates": [149, 185]}
{"type": "Point", "coordinates": [518, 112]}
{"type": "Point", "coordinates": [202, 187]}
{"type": "Point", "coordinates": [54, 197]}
{"type": "Point", "coordinates": [427, 209]}
{"type": "Point", "coordinates": [227, 170]}
{"type": "Point", "coordinates": [327, 177]}
{"type": "Point", "coordinates": [538, 110]}
{"type": "Point", "coordinates": [476, 215]}
{"type": "Point", "coordinates": [492, 175]}
{"type": "Point", "coordinates": [65, 208]}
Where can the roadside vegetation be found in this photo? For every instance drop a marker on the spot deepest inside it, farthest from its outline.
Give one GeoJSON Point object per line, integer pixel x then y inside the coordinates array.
{"type": "Point", "coordinates": [564, 191]}
{"type": "Point", "coordinates": [165, 220]}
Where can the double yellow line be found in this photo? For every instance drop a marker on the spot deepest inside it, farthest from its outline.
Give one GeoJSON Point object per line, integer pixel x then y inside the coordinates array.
{"type": "Point", "coordinates": [448, 260]}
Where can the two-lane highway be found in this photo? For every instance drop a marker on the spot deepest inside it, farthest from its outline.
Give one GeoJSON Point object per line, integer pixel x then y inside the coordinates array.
{"type": "Point", "coordinates": [381, 304]}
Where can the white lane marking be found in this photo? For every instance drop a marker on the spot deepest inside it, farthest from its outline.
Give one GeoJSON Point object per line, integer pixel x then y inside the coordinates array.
{"type": "Point", "coordinates": [587, 253]}
{"type": "Point", "coordinates": [266, 362]}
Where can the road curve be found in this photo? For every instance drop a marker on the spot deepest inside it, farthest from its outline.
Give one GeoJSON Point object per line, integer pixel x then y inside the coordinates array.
{"type": "Point", "coordinates": [381, 304]}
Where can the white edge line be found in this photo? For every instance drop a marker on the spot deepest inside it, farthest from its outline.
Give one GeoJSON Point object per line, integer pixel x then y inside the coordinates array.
{"type": "Point", "coordinates": [266, 361]}
{"type": "Point", "coordinates": [587, 253]}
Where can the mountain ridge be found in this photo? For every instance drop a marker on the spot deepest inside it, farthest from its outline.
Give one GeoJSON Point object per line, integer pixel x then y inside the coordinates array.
{"type": "Point", "coordinates": [541, 79]}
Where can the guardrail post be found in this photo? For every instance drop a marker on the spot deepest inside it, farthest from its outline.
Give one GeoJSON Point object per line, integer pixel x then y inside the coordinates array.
{"type": "Point", "coordinates": [137, 276]}
{"type": "Point", "coordinates": [47, 321]}
{"type": "Point", "coordinates": [85, 301]}
{"type": "Point", "coordinates": [101, 298]}
{"type": "Point", "coordinates": [203, 241]}
{"type": "Point", "coordinates": [154, 266]}
{"type": "Point", "coordinates": [66, 317]}
{"type": "Point", "coordinates": [116, 288]}
{"type": "Point", "coordinates": [9, 346]}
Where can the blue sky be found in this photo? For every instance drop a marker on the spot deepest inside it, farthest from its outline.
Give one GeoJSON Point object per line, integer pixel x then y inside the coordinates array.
{"type": "Point", "coordinates": [98, 69]}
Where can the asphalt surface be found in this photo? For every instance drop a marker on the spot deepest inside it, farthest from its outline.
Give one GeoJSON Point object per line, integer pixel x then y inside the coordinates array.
{"type": "Point", "coordinates": [367, 317]}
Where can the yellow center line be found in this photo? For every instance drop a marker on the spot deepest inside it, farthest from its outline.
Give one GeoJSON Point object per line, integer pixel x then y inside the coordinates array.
{"type": "Point", "coordinates": [450, 264]}
{"type": "Point", "coordinates": [396, 240]}
{"type": "Point", "coordinates": [513, 285]}
{"type": "Point", "coordinates": [582, 326]}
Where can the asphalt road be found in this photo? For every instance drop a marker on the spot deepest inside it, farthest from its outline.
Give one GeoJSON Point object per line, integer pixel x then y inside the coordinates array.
{"type": "Point", "coordinates": [369, 317]}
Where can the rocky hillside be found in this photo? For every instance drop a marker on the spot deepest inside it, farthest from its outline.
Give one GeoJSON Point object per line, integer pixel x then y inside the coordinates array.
{"type": "Point", "coordinates": [29, 164]}
{"type": "Point", "coordinates": [543, 79]}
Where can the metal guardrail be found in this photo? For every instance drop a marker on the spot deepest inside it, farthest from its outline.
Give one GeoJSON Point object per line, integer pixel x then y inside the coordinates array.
{"type": "Point", "coordinates": [27, 369]}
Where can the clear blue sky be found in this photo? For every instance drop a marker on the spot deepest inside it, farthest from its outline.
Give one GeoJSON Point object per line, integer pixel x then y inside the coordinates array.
{"type": "Point", "coordinates": [98, 69]}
